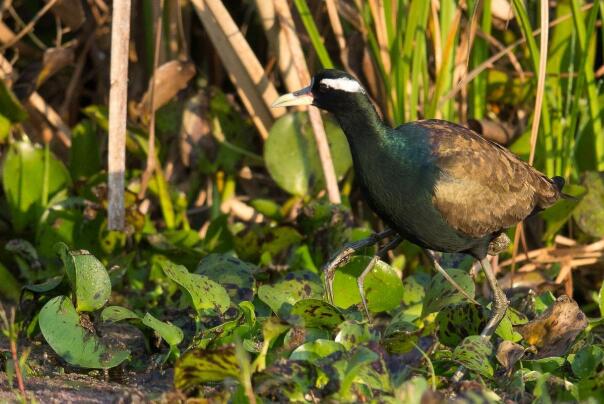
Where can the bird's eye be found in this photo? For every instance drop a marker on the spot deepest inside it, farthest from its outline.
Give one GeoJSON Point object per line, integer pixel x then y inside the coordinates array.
{"type": "Point", "coordinates": [322, 87]}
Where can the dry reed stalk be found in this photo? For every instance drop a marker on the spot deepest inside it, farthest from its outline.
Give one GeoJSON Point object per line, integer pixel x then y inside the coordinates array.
{"type": "Point", "coordinates": [336, 26]}
{"type": "Point", "coordinates": [244, 69]}
{"type": "Point", "coordinates": [377, 12]}
{"type": "Point", "coordinates": [287, 25]}
{"type": "Point", "coordinates": [30, 25]}
{"type": "Point", "coordinates": [118, 100]}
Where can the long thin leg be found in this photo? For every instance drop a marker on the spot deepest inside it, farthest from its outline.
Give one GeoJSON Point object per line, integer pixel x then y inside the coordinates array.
{"type": "Point", "coordinates": [344, 255]}
{"type": "Point", "coordinates": [500, 306]}
{"type": "Point", "coordinates": [361, 279]}
{"type": "Point", "coordinates": [444, 273]}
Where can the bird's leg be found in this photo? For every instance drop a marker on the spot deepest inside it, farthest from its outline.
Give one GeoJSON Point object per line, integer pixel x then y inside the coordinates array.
{"type": "Point", "coordinates": [344, 255]}
{"type": "Point", "coordinates": [500, 306]}
{"type": "Point", "coordinates": [448, 277]}
{"type": "Point", "coordinates": [361, 279]}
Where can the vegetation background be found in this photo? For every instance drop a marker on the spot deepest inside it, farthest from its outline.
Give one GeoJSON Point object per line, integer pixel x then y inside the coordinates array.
{"type": "Point", "coordinates": [193, 267]}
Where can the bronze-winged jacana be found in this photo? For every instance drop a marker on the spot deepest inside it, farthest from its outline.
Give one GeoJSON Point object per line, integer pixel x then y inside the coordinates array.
{"type": "Point", "coordinates": [433, 182]}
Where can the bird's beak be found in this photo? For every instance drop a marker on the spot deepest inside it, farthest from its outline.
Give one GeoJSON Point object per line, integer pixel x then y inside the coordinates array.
{"type": "Point", "coordinates": [300, 97]}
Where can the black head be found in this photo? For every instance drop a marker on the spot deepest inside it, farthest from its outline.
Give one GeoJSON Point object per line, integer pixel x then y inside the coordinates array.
{"type": "Point", "coordinates": [332, 90]}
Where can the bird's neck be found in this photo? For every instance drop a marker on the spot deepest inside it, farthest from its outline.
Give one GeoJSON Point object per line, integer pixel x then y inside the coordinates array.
{"type": "Point", "coordinates": [361, 123]}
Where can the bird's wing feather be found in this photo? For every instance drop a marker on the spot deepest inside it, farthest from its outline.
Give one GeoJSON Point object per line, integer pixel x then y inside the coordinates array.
{"type": "Point", "coordinates": [483, 188]}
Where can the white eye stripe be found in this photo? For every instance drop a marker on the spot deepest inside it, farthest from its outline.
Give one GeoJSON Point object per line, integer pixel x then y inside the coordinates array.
{"type": "Point", "coordinates": [344, 84]}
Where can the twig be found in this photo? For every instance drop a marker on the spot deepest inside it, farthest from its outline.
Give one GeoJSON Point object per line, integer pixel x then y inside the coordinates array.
{"type": "Point", "coordinates": [63, 131]}
{"type": "Point", "coordinates": [30, 25]}
{"type": "Point", "coordinates": [336, 26]}
{"type": "Point", "coordinates": [151, 149]}
{"type": "Point", "coordinates": [118, 98]}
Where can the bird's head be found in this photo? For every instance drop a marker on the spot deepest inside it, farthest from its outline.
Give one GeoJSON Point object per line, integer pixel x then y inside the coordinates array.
{"type": "Point", "coordinates": [331, 90]}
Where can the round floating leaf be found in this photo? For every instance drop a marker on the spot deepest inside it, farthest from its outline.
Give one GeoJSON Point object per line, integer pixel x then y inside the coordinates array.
{"type": "Point", "coordinates": [117, 313]}
{"type": "Point", "coordinates": [204, 293]}
{"type": "Point", "coordinates": [313, 351]}
{"type": "Point", "coordinates": [291, 154]}
{"type": "Point", "coordinates": [383, 286]}
{"type": "Point", "coordinates": [231, 273]}
{"type": "Point", "coordinates": [88, 277]}
{"type": "Point", "coordinates": [60, 325]}
{"type": "Point", "coordinates": [170, 333]}
{"type": "Point", "coordinates": [459, 321]}
{"type": "Point", "coordinates": [473, 353]}
{"type": "Point", "coordinates": [22, 178]}
{"type": "Point", "coordinates": [284, 294]}
{"type": "Point", "coordinates": [441, 293]}
{"type": "Point", "coordinates": [317, 313]}
{"type": "Point", "coordinates": [202, 366]}
{"type": "Point", "coordinates": [352, 334]}
{"type": "Point", "coordinates": [589, 213]}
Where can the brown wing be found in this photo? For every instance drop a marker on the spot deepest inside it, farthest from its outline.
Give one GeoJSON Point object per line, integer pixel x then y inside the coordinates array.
{"type": "Point", "coordinates": [483, 187]}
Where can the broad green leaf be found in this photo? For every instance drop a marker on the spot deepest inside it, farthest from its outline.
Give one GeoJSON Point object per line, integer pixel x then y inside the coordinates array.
{"type": "Point", "coordinates": [352, 334]}
{"type": "Point", "coordinates": [441, 293]}
{"type": "Point", "coordinates": [170, 333]}
{"type": "Point", "coordinates": [284, 294]}
{"type": "Point", "coordinates": [291, 154]}
{"type": "Point", "coordinates": [474, 353]}
{"type": "Point", "coordinates": [401, 335]}
{"type": "Point", "coordinates": [316, 313]}
{"type": "Point", "coordinates": [458, 321]}
{"type": "Point", "coordinates": [84, 154]}
{"type": "Point", "coordinates": [231, 273]}
{"type": "Point", "coordinates": [9, 286]}
{"type": "Point", "coordinates": [60, 325]}
{"type": "Point", "coordinates": [117, 313]}
{"type": "Point", "coordinates": [363, 366]}
{"type": "Point", "coordinates": [313, 351]}
{"type": "Point", "coordinates": [589, 213]}
{"type": "Point", "coordinates": [412, 391]}
{"type": "Point", "coordinates": [585, 362]}
{"type": "Point", "coordinates": [285, 381]}
{"type": "Point", "coordinates": [383, 286]}
{"type": "Point", "coordinates": [200, 366]}
{"type": "Point", "coordinates": [204, 293]}
{"type": "Point", "coordinates": [88, 277]}
{"type": "Point", "coordinates": [45, 286]}
{"type": "Point", "coordinates": [23, 182]}
{"type": "Point", "coordinates": [5, 125]}
{"type": "Point", "coordinates": [267, 207]}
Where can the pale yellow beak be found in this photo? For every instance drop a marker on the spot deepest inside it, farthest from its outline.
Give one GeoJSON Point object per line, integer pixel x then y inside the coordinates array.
{"type": "Point", "coordinates": [300, 97]}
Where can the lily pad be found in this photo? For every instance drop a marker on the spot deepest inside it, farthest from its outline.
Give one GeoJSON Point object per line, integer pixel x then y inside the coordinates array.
{"type": "Point", "coordinates": [441, 293]}
{"type": "Point", "coordinates": [204, 293]}
{"type": "Point", "coordinates": [199, 366]}
{"type": "Point", "coordinates": [284, 294]}
{"type": "Point", "coordinates": [117, 313]}
{"type": "Point", "coordinates": [316, 313]}
{"type": "Point", "coordinates": [459, 321]}
{"type": "Point", "coordinates": [473, 353]}
{"type": "Point", "coordinates": [170, 333]}
{"type": "Point", "coordinates": [291, 154]}
{"type": "Point", "coordinates": [88, 277]}
{"type": "Point", "coordinates": [589, 213]}
{"type": "Point", "coordinates": [383, 286]}
{"type": "Point", "coordinates": [231, 273]}
{"type": "Point", "coordinates": [60, 325]}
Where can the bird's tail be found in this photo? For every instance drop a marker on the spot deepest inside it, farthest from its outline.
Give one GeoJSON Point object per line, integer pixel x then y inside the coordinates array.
{"type": "Point", "coordinates": [559, 183]}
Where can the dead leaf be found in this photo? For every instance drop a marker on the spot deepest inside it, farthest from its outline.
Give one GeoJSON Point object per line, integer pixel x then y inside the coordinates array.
{"type": "Point", "coordinates": [496, 131]}
{"type": "Point", "coordinates": [554, 331]}
{"type": "Point", "coordinates": [70, 12]}
{"type": "Point", "coordinates": [54, 60]}
{"type": "Point", "coordinates": [170, 78]}
{"type": "Point", "coordinates": [195, 131]}
{"type": "Point", "coordinates": [508, 353]}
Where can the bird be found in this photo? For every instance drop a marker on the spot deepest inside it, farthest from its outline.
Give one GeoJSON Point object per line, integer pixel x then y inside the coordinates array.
{"type": "Point", "coordinates": [434, 183]}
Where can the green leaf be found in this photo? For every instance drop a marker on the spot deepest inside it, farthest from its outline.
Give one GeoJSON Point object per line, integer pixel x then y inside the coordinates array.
{"type": "Point", "coordinates": [60, 325]}
{"type": "Point", "coordinates": [441, 293]}
{"type": "Point", "coordinates": [316, 313]}
{"type": "Point", "coordinates": [458, 321]}
{"type": "Point", "coordinates": [383, 286]}
{"type": "Point", "coordinates": [231, 273]}
{"type": "Point", "coordinates": [284, 294]}
{"type": "Point", "coordinates": [313, 351]}
{"type": "Point", "coordinates": [9, 286]}
{"type": "Point", "coordinates": [170, 333]}
{"type": "Point", "coordinates": [589, 213]}
{"type": "Point", "coordinates": [88, 277]}
{"type": "Point", "coordinates": [5, 125]}
{"type": "Point", "coordinates": [114, 314]}
{"type": "Point", "coordinates": [473, 353]}
{"type": "Point", "coordinates": [9, 104]}
{"type": "Point", "coordinates": [200, 366]}
{"type": "Point", "coordinates": [291, 154]}
{"type": "Point", "coordinates": [23, 178]}
{"type": "Point", "coordinates": [352, 334]}
{"type": "Point", "coordinates": [84, 154]}
{"type": "Point", "coordinates": [585, 362]}
{"type": "Point", "coordinates": [45, 286]}
{"type": "Point", "coordinates": [204, 293]}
